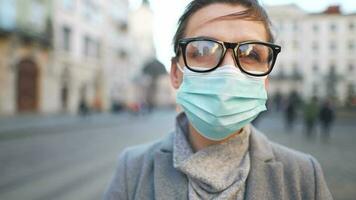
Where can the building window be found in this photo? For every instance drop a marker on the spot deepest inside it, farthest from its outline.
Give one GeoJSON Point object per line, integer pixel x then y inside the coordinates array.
{"type": "Point", "coordinates": [332, 70]}
{"type": "Point", "coordinates": [333, 46]}
{"type": "Point", "coordinates": [333, 27]}
{"type": "Point", "coordinates": [332, 67]}
{"type": "Point", "coordinates": [315, 89]}
{"type": "Point", "coordinates": [123, 27]}
{"type": "Point", "coordinates": [91, 47]}
{"type": "Point", "coordinates": [87, 10]}
{"type": "Point", "coordinates": [38, 15]}
{"type": "Point", "coordinates": [315, 28]}
{"type": "Point", "coordinates": [97, 49]}
{"type": "Point", "coordinates": [296, 74]}
{"type": "Point", "coordinates": [351, 26]}
{"type": "Point", "coordinates": [87, 44]}
{"type": "Point", "coordinates": [91, 11]}
{"type": "Point", "coordinates": [295, 26]}
{"type": "Point", "coordinates": [66, 31]}
{"type": "Point", "coordinates": [315, 68]}
{"type": "Point", "coordinates": [8, 15]}
{"type": "Point", "coordinates": [68, 4]}
{"type": "Point", "coordinates": [315, 46]}
{"type": "Point", "coordinates": [295, 45]}
{"type": "Point", "coordinates": [122, 54]}
{"type": "Point", "coordinates": [351, 45]}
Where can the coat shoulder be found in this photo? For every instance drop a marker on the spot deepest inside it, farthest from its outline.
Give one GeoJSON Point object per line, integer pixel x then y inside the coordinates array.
{"type": "Point", "coordinates": [140, 158]}
{"type": "Point", "coordinates": [303, 170]}
{"type": "Point", "coordinates": [134, 170]}
{"type": "Point", "coordinates": [297, 166]}
{"type": "Point", "coordinates": [292, 157]}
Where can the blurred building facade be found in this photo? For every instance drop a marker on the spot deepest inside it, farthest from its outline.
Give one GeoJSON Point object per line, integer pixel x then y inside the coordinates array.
{"type": "Point", "coordinates": [130, 89]}
{"type": "Point", "coordinates": [77, 58]}
{"type": "Point", "coordinates": [120, 67]}
{"type": "Point", "coordinates": [65, 47]}
{"type": "Point", "coordinates": [318, 53]}
{"type": "Point", "coordinates": [58, 55]}
{"type": "Point", "coordinates": [151, 81]}
{"type": "Point", "coordinates": [25, 54]}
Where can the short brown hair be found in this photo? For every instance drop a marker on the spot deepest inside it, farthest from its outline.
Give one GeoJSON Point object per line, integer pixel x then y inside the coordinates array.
{"type": "Point", "coordinates": [254, 11]}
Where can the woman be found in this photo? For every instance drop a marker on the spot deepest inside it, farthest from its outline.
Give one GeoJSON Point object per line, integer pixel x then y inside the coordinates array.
{"type": "Point", "coordinates": [224, 52]}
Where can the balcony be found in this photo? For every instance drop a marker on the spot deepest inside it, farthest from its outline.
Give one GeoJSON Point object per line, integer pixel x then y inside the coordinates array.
{"type": "Point", "coordinates": [29, 21]}
{"type": "Point", "coordinates": [28, 35]}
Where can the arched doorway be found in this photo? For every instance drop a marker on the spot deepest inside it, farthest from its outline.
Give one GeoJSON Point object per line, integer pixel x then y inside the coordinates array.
{"type": "Point", "coordinates": [27, 86]}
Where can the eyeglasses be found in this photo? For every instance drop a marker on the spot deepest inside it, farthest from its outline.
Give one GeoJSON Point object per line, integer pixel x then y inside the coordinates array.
{"type": "Point", "coordinates": [254, 58]}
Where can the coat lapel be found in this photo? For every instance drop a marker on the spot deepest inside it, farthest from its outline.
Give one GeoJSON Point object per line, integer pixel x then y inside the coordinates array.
{"type": "Point", "coordinates": [169, 183]}
{"type": "Point", "coordinates": [265, 180]}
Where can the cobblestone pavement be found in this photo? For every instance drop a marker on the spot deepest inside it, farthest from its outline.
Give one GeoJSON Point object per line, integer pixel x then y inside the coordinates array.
{"type": "Point", "coordinates": [68, 157]}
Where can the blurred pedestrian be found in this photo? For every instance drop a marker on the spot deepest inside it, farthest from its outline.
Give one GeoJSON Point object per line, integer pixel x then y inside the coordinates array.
{"type": "Point", "coordinates": [290, 115]}
{"type": "Point", "coordinates": [311, 111]}
{"type": "Point", "coordinates": [97, 105]}
{"type": "Point", "coordinates": [214, 152]}
{"type": "Point", "coordinates": [278, 101]}
{"type": "Point", "coordinates": [83, 108]}
{"type": "Point", "coordinates": [326, 117]}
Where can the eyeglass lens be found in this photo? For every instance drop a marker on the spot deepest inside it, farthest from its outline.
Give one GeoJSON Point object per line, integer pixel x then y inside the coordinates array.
{"type": "Point", "coordinates": [253, 58]}
{"type": "Point", "coordinates": [203, 55]}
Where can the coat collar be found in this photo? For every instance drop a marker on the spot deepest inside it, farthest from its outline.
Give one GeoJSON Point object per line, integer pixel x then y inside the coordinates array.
{"type": "Point", "coordinates": [260, 147]}
{"type": "Point", "coordinates": [264, 181]}
{"type": "Point", "coordinates": [169, 183]}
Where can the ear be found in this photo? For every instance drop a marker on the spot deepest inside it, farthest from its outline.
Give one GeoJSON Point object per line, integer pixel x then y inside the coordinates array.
{"type": "Point", "coordinates": [175, 75]}
{"type": "Point", "coordinates": [267, 83]}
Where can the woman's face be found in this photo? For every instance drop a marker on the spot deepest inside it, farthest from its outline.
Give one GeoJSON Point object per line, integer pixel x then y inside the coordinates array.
{"type": "Point", "coordinates": [210, 22]}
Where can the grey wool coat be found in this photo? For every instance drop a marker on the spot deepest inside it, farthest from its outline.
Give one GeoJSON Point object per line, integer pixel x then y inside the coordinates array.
{"type": "Point", "coordinates": [147, 172]}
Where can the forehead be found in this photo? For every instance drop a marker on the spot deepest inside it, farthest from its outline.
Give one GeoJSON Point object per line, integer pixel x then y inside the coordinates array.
{"type": "Point", "coordinates": [210, 21]}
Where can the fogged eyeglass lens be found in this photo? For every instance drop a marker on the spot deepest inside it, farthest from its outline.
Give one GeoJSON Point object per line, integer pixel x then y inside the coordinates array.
{"type": "Point", "coordinates": [203, 55]}
{"type": "Point", "coordinates": [255, 58]}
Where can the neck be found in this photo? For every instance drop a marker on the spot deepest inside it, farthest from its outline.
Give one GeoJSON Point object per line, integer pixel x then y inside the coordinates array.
{"type": "Point", "coordinates": [198, 142]}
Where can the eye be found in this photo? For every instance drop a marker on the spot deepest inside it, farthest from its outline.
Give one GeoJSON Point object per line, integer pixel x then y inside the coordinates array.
{"type": "Point", "coordinates": [193, 54]}
{"type": "Point", "coordinates": [249, 52]}
{"type": "Point", "coordinates": [254, 56]}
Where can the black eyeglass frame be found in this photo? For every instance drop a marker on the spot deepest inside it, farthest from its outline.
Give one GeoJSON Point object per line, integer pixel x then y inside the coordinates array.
{"type": "Point", "coordinates": [183, 43]}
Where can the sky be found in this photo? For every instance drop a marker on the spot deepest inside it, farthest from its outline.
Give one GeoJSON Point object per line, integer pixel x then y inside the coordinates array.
{"type": "Point", "coordinates": [167, 12]}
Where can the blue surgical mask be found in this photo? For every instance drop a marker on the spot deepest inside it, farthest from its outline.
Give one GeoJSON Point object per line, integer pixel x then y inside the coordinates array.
{"type": "Point", "coordinates": [221, 102]}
